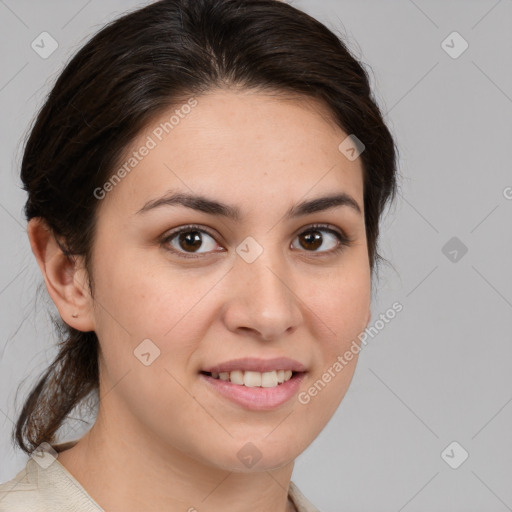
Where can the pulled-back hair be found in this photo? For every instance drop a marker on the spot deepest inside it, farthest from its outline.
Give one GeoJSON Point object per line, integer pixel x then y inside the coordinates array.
{"type": "Point", "coordinates": [132, 71]}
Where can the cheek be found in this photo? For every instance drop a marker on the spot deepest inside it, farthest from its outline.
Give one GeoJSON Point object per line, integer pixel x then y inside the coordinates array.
{"type": "Point", "coordinates": [339, 310]}
{"type": "Point", "coordinates": [145, 300]}
{"type": "Point", "coordinates": [141, 295]}
{"type": "Point", "coordinates": [340, 305]}
{"type": "Point", "coordinates": [148, 331]}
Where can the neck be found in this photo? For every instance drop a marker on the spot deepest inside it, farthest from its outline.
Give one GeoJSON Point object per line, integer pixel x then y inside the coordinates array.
{"type": "Point", "coordinates": [132, 472]}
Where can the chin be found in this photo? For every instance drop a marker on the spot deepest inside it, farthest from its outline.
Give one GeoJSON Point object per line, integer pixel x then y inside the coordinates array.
{"type": "Point", "coordinates": [253, 456]}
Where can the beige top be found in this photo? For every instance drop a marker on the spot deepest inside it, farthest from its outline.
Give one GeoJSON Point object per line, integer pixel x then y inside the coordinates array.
{"type": "Point", "coordinates": [45, 485]}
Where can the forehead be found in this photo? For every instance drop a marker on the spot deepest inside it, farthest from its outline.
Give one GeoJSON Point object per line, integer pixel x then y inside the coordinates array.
{"type": "Point", "coordinates": [245, 145]}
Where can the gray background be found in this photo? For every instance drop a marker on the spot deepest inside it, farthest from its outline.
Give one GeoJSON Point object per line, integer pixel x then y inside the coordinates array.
{"type": "Point", "coordinates": [440, 371]}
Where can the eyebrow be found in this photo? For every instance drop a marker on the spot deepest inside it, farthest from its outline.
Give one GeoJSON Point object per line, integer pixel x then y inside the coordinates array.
{"type": "Point", "coordinates": [213, 207]}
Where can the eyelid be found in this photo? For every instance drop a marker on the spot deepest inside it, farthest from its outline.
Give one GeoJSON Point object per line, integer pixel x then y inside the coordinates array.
{"type": "Point", "coordinates": [326, 227]}
{"type": "Point", "coordinates": [189, 227]}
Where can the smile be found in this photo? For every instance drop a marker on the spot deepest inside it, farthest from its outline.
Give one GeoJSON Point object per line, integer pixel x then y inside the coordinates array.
{"type": "Point", "coordinates": [252, 379]}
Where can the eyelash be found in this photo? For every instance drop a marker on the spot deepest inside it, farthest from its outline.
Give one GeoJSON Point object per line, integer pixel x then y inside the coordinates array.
{"type": "Point", "coordinates": [344, 241]}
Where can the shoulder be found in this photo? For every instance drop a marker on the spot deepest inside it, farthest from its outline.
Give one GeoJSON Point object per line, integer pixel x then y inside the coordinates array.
{"type": "Point", "coordinates": [300, 501]}
{"type": "Point", "coordinates": [44, 486]}
{"type": "Point", "coordinates": [21, 493]}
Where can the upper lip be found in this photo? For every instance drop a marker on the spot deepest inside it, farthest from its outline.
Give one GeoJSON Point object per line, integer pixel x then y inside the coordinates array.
{"type": "Point", "coordinates": [257, 365]}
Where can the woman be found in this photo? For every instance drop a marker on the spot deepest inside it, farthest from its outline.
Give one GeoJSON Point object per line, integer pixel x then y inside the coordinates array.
{"type": "Point", "coordinates": [205, 183]}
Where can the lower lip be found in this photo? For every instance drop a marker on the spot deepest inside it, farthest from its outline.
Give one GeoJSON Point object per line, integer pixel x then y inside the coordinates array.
{"type": "Point", "coordinates": [257, 398]}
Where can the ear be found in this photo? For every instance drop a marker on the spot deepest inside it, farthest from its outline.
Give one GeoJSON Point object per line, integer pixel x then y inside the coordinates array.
{"type": "Point", "coordinates": [65, 277]}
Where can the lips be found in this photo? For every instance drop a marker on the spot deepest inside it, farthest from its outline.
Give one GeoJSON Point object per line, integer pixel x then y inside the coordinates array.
{"type": "Point", "coordinates": [250, 364]}
{"type": "Point", "coordinates": [256, 384]}
{"type": "Point", "coordinates": [255, 398]}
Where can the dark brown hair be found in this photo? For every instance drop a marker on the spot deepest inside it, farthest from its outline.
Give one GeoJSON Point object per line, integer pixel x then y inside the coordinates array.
{"type": "Point", "coordinates": [133, 70]}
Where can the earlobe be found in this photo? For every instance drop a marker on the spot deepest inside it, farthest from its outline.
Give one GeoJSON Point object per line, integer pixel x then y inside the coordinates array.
{"type": "Point", "coordinates": [64, 276]}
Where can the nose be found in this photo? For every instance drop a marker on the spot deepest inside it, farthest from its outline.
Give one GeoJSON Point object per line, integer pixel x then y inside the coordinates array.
{"type": "Point", "coordinates": [262, 299]}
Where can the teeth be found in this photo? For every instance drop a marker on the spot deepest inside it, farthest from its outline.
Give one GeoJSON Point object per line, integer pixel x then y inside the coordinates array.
{"type": "Point", "coordinates": [252, 379]}
{"type": "Point", "coordinates": [255, 379]}
{"type": "Point", "coordinates": [269, 380]}
{"type": "Point", "coordinates": [237, 377]}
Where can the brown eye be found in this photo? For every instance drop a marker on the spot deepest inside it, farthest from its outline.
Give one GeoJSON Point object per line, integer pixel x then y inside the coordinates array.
{"type": "Point", "coordinates": [314, 238]}
{"type": "Point", "coordinates": [190, 239]}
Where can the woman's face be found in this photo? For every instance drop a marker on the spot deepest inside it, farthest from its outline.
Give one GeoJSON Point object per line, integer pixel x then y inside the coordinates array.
{"type": "Point", "coordinates": [172, 311]}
